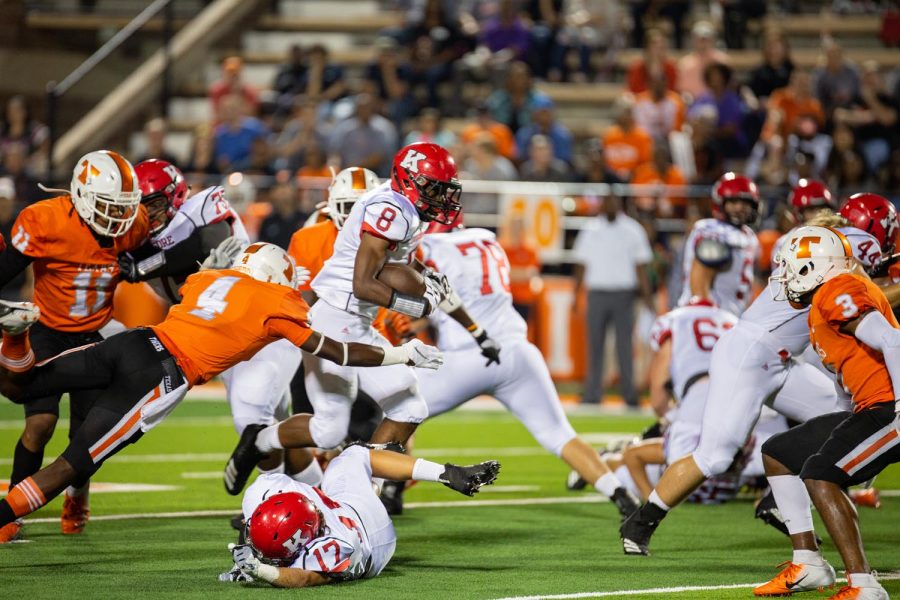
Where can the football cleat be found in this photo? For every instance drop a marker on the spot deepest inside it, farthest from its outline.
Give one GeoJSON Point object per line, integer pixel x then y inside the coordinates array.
{"type": "Point", "coordinates": [869, 497]}
{"type": "Point", "coordinates": [16, 317]}
{"type": "Point", "coordinates": [243, 460]}
{"type": "Point", "coordinates": [392, 497]}
{"type": "Point", "coordinates": [574, 481]}
{"type": "Point", "coordinates": [75, 514]}
{"type": "Point", "coordinates": [767, 512]}
{"type": "Point", "coordinates": [11, 532]}
{"type": "Point", "coordinates": [854, 592]}
{"type": "Point", "coordinates": [638, 528]}
{"type": "Point", "coordinates": [625, 502]}
{"type": "Point", "coordinates": [797, 578]}
{"type": "Point", "coordinates": [468, 480]}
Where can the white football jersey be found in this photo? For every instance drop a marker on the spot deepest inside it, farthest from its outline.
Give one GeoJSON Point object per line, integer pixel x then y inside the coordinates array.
{"type": "Point", "coordinates": [693, 329]}
{"type": "Point", "coordinates": [343, 552]}
{"type": "Point", "coordinates": [732, 289]}
{"type": "Point", "coordinates": [478, 270]}
{"type": "Point", "coordinates": [381, 212]}
{"type": "Point", "coordinates": [788, 325]}
{"type": "Point", "coordinates": [206, 207]}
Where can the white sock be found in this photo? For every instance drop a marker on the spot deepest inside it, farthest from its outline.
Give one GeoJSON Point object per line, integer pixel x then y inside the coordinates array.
{"type": "Point", "coordinates": [808, 557]}
{"type": "Point", "coordinates": [862, 580]}
{"type": "Point", "coordinates": [607, 484]}
{"type": "Point", "coordinates": [267, 439]}
{"type": "Point", "coordinates": [793, 502]}
{"type": "Point", "coordinates": [311, 475]}
{"type": "Point", "coordinates": [655, 499]}
{"type": "Point", "coordinates": [75, 492]}
{"type": "Point", "coordinates": [425, 470]}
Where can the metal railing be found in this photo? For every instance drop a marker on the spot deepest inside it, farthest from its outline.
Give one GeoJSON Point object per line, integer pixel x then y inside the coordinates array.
{"type": "Point", "coordinates": [55, 91]}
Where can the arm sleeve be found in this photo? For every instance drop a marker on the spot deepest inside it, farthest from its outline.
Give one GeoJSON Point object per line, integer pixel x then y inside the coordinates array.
{"type": "Point", "coordinates": [296, 333]}
{"type": "Point", "coordinates": [183, 259]}
{"type": "Point", "coordinates": [12, 262]}
{"type": "Point", "coordinates": [387, 221]}
{"type": "Point", "coordinates": [877, 333]}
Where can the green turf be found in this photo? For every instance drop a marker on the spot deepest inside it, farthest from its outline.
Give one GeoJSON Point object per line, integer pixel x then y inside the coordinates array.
{"type": "Point", "coordinates": [459, 552]}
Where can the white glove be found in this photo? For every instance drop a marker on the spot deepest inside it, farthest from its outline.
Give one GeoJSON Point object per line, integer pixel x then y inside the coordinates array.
{"type": "Point", "coordinates": [434, 294]}
{"type": "Point", "coordinates": [223, 255]}
{"type": "Point", "coordinates": [244, 559]}
{"type": "Point", "coordinates": [301, 276]}
{"type": "Point", "coordinates": [440, 279]}
{"type": "Point", "coordinates": [422, 355]}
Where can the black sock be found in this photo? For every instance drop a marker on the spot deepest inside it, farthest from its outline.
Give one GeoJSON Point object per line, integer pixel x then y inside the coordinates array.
{"type": "Point", "coordinates": [651, 512]}
{"type": "Point", "coordinates": [6, 513]}
{"type": "Point", "coordinates": [25, 463]}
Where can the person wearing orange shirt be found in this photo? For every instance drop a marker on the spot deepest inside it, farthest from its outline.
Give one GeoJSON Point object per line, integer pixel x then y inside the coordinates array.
{"type": "Point", "coordinates": [141, 375]}
{"type": "Point", "coordinates": [853, 329]}
{"type": "Point", "coordinates": [525, 267]}
{"type": "Point", "coordinates": [72, 242]}
{"type": "Point", "coordinates": [786, 105]}
{"type": "Point", "coordinates": [503, 136]}
{"type": "Point", "coordinates": [626, 146]}
{"type": "Point", "coordinates": [659, 172]}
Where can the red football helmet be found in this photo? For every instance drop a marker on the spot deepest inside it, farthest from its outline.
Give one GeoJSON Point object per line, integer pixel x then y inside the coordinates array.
{"type": "Point", "coordinates": [163, 191]}
{"type": "Point", "coordinates": [438, 227]}
{"type": "Point", "coordinates": [809, 194]}
{"type": "Point", "coordinates": [732, 186]}
{"type": "Point", "coordinates": [874, 214]}
{"type": "Point", "coordinates": [426, 174]}
{"type": "Point", "coordinates": [282, 524]}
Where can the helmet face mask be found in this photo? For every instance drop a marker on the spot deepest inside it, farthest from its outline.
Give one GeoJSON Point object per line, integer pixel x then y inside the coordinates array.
{"type": "Point", "coordinates": [734, 187]}
{"type": "Point", "coordinates": [438, 200]}
{"type": "Point", "coordinates": [164, 190]}
{"type": "Point", "coordinates": [427, 176]}
{"type": "Point", "coordinates": [105, 194]}
{"type": "Point", "coordinates": [813, 256]}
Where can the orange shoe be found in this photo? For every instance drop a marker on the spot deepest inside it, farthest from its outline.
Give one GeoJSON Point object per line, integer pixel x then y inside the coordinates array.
{"type": "Point", "coordinates": [10, 532]}
{"type": "Point", "coordinates": [75, 514]}
{"type": "Point", "coordinates": [797, 578]}
{"type": "Point", "coordinates": [851, 592]}
{"type": "Point", "coordinates": [869, 497]}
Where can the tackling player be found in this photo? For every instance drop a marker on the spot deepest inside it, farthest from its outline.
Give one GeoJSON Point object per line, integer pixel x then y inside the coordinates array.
{"type": "Point", "coordinates": [719, 253]}
{"type": "Point", "coordinates": [301, 536]}
{"type": "Point", "coordinates": [72, 242]}
{"type": "Point", "coordinates": [141, 375]}
{"type": "Point", "coordinates": [854, 331]}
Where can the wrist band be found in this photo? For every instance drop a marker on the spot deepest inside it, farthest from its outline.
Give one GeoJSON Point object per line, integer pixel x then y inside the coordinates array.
{"type": "Point", "coordinates": [151, 263]}
{"type": "Point", "coordinates": [451, 302]}
{"type": "Point", "coordinates": [319, 347]}
{"type": "Point", "coordinates": [267, 573]}
{"type": "Point", "coordinates": [475, 329]}
{"type": "Point", "coordinates": [413, 306]}
{"type": "Point", "coordinates": [394, 355]}
{"type": "Point", "coordinates": [344, 362]}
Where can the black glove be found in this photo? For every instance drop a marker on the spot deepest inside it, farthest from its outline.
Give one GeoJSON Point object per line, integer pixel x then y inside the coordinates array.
{"type": "Point", "coordinates": [490, 349]}
{"type": "Point", "coordinates": [128, 268]}
{"type": "Point", "coordinates": [881, 269]}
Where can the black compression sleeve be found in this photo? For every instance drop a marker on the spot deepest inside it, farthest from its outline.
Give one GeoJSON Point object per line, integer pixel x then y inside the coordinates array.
{"type": "Point", "coordinates": [12, 262]}
{"type": "Point", "coordinates": [184, 259]}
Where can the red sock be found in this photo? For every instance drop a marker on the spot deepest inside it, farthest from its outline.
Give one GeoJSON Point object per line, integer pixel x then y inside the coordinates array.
{"type": "Point", "coordinates": [25, 498]}
{"type": "Point", "coordinates": [15, 352]}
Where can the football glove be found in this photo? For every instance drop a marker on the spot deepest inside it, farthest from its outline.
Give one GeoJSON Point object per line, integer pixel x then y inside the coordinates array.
{"type": "Point", "coordinates": [434, 294]}
{"type": "Point", "coordinates": [223, 255]}
{"type": "Point", "coordinates": [235, 575]}
{"type": "Point", "coordinates": [244, 559]}
{"type": "Point", "coordinates": [422, 355]}
{"type": "Point", "coordinates": [490, 349]}
{"type": "Point", "coordinates": [128, 268]}
{"type": "Point", "coordinates": [301, 276]}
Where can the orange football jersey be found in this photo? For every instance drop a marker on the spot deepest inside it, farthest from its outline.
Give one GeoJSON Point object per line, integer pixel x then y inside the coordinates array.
{"type": "Point", "coordinates": [226, 317]}
{"type": "Point", "coordinates": [311, 246]}
{"type": "Point", "coordinates": [74, 275]}
{"type": "Point", "coordinates": [860, 368]}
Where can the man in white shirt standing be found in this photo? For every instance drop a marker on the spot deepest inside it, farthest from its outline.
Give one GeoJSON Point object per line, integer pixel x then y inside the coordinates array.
{"type": "Point", "coordinates": [611, 255]}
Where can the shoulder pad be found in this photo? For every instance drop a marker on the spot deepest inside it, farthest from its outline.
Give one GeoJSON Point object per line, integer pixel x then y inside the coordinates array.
{"type": "Point", "coordinates": [712, 252]}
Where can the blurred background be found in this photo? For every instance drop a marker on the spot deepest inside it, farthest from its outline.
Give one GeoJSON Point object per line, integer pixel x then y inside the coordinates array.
{"type": "Point", "coordinates": [549, 107]}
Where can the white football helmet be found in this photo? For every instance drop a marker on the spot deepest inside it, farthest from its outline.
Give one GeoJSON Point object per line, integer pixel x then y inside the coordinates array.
{"type": "Point", "coordinates": [345, 189]}
{"type": "Point", "coordinates": [809, 258]}
{"type": "Point", "coordinates": [105, 192]}
{"type": "Point", "coordinates": [267, 262]}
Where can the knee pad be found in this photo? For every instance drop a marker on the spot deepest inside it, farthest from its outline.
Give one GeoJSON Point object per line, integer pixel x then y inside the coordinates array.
{"type": "Point", "coordinates": [715, 462]}
{"type": "Point", "coordinates": [328, 432]}
{"type": "Point", "coordinates": [555, 440]}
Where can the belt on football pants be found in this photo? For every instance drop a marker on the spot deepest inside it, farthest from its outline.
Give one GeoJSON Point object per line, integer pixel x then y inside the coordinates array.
{"type": "Point", "coordinates": [691, 381]}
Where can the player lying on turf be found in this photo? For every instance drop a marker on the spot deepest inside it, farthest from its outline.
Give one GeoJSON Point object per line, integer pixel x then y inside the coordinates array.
{"type": "Point", "coordinates": [854, 331]}
{"type": "Point", "coordinates": [301, 536]}
{"type": "Point", "coordinates": [141, 375]}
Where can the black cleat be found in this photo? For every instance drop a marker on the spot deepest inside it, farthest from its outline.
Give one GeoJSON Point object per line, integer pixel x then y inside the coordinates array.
{"type": "Point", "coordinates": [574, 482]}
{"type": "Point", "coordinates": [637, 529]}
{"type": "Point", "coordinates": [625, 502]}
{"type": "Point", "coordinates": [767, 512]}
{"type": "Point", "coordinates": [243, 460]}
{"type": "Point", "coordinates": [468, 480]}
{"type": "Point", "coordinates": [392, 496]}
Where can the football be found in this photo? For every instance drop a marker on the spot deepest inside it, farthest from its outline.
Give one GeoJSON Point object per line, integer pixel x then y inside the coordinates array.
{"type": "Point", "coordinates": [402, 278]}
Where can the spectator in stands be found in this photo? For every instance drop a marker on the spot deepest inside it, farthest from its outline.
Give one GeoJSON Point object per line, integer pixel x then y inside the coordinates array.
{"type": "Point", "coordinates": [649, 11]}
{"type": "Point", "coordinates": [437, 41]}
{"type": "Point", "coordinates": [543, 122]}
{"type": "Point", "coordinates": [595, 168]}
{"type": "Point", "coordinates": [315, 164]}
{"type": "Point", "coordinates": [310, 73]}
{"type": "Point", "coordinates": [285, 218]}
{"type": "Point", "coordinates": [776, 68]}
{"type": "Point", "coordinates": [202, 159]}
{"type": "Point", "coordinates": [721, 94]}
{"type": "Point", "coordinates": [707, 155]}
{"type": "Point", "coordinates": [505, 35]}
{"type": "Point", "coordinates": [232, 84]}
{"type": "Point", "coordinates": [290, 77]}
{"type": "Point", "coordinates": [303, 128]}
{"type": "Point", "coordinates": [787, 104]}
{"type": "Point", "coordinates": [807, 150]}
{"type": "Point", "coordinates": [836, 83]}
{"type": "Point", "coordinates": [504, 140]}
{"type": "Point", "coordinates": [735, 14]}
{"type": "Point", "coordinates": [541, 164]}
{"type": "Point", "coordinates": [525, 267]}
{"type": "Point", "coordinates": [658, 110]}
{"type": "Point", "coordinates": [390, 78]}
{"type": "Point", "coordinates": [626, 145]}
{"type": "Point", "coordinates": [14, 166]}
{"type": "Point", "coordinates": [660, 172]}
{"type": "Point", "coordinates": [236, 134]}
{"type": "Point", "coordinates": [592, 28]}
{"type": "Point", "coordinates": [155, 139]}
{"type": "Point", "coordinates": [846, 165]}
{"type": "Point", "coordinates": [365, 140]}
{"type": "Point", "coordinates": [873, 116]}
{"type": "Point", "coordinates": [512, 104]}
{"type": "Point", "coordinates": [485, 163]}
{"type": "Point", "coordinates": [655, 60]}
{"type": "Point", "coordinates": [546, 56]}
{"type": "Point", "coordinates": [430, 129]}
{"type": "Point", "coordinates": [612, 286]}
{"type": "Point", "coordinates": [18, 126]}
{"type": "Point", "coordinates": [692, 65]}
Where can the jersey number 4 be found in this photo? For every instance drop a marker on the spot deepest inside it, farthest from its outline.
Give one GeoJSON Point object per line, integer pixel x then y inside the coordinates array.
{"type": "Point", "coordinates": [491, 252]}
{"type": "Point", "coordinates": [211, 302]}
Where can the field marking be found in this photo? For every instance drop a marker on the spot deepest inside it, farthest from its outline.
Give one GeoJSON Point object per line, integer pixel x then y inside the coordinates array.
{"type": "Point", "coordinates": [594, 499]}
{"type": "Point", "coordinates": [506, 489]}
{"type": "Point", "coordinates": [202, 475]}
{"type": "Point", "coordinates": [114, 488]}
{"type": "Point", "coordinates": [891, 576]}
{"type": "Point", "coordinates": [17, 424]}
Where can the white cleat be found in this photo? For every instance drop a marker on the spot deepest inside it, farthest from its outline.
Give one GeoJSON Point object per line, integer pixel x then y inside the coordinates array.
{"type": "Point", "coordinates": [16, 317]}
{"type": "Point", "coordinates": [798, 578]}
{"type": "Point", "coordinates": [871, 591]}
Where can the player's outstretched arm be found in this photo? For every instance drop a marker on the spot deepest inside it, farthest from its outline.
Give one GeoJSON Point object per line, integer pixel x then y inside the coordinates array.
{"type": "Point", "coordinates": [370, 258]}
{"type": "Point", "coordinates": [414, 353]}
{"type": "Point", "coordinates": [283, 577]}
